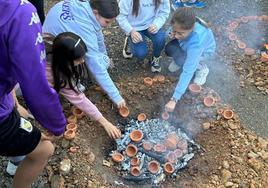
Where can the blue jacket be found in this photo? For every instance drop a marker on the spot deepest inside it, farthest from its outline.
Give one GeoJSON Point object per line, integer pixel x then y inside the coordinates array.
{"type": "Point", "coordinates": [199, 43]}
{"type": "Point", "coordinates": [77, 17]}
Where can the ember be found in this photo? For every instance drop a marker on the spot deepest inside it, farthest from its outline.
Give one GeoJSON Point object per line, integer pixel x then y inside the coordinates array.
{"type": "Point", "coordinates": [162, 151]}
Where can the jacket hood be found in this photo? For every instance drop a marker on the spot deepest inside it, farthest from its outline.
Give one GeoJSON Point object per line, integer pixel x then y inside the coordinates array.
{"type": "Point", "coordinates": [7, 9]}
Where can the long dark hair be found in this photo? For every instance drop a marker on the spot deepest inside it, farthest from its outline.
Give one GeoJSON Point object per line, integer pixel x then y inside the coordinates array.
{"type": "Point", "coordinates": [136, 6]}
{"type": "Point", "coordinates": [66, 48]}
{"type": "Point", "coordinates": [106, 8]}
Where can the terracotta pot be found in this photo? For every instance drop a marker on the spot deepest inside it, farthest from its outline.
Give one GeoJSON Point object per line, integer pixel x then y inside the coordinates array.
{"type": "Point", "coordinates": [264, 57]}
{"type": "Point", "coordinates": [232, 37]}
{"type": "Point", "coordinates": [124, 112]}
{"type": "Point", "coordinates": [117, 157]}
{"type": "Point", "coordinates": [73, 149]}
{"type": "Point", "coordinates": [69, 134]}
{"type": "Point", "coordinates": [72, 119]}
{"type": "Point", "coordinates": [244, 19]}
{"type": "Point", "coordinates": [208, 101]}
{"type": "Point", "coordinates": [171, 141]}
{"type": "Point", "coordinates": [165, 115]}
{"type": "Point", "coordinates": [249, 51]}
{"type": "Point", "coordinates": [131, 150]}
{"type": "Point", "coordinates": [220, 111]}
{"type": "Point", "coordinates": [155, 79]}
{"type": "Point", "coordinates": [148, 81]}
{"type": "Point", "coordinates": [141, 117]}
{"type": "Point", "coordinates": [171, 157]}
{"type": "Point", "coordinates": [159, 148]}
{"type": "Point", "coordinates": [178, 153]}
{"type": "Point", "coordinates": [147, 145]}
{"type": "Point", "coordinates": [228, 114]}
{"type": "Point", "coordinates": [195, 89]}
{"type": "Point", "coordinates": [136, 135]}
{"type": "Point", "coordinates": [161, 79]}
{"type": "Point", "coordinates": [168, 168]}
{"type": "Point", "coordinates": [78, 113]}
{"type": "Point", "coordinates": [153, 167]}
{"type": "Point", "coordinates": [135, 161]}
{"type": "Point", "coordinates": [71, 126]}
{"type": "Point", "coordinates": [241, 45]}
{"type": "Point", "coordinates": [135, 171]}
{"type": "Point", "coordinates": [233, 24]}
{"type": "Point", "coordinates": [183, 145]}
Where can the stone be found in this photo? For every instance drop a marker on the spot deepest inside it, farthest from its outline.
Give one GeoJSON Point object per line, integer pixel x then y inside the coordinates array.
{"type": "Point", "coordinates": [251, 154]}
{"type": "Point", "coordinates": [262, 143]}
{"type": "Point", "coordinates": [229, 184]}
{"type": "Point", "coordinates": [106, 163]}
{"type": "Point", "coordinates": [226, 175]}
{"type": "Point", "coordinates": [65, 143]}
{"type": "Point", "coordinates": [65, 166]}
{"type": "Point", "coordinates": [206, 125]}
{"type": "Point", "coordinates": [226, 164]}
{"type": "Point", "coordinates": [255, 164]}
{"type": "Point", "coordinates": [57, 181]}
{"type": "Point", "coordinates": [91, 157]}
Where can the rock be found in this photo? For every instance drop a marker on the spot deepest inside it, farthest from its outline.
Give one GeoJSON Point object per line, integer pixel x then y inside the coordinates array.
{"type": "Point", "coordinates": [251, 154]}
{"type": "Point", "coordinates": [226, 164]}
{"type": "Point", "coordinates": [226, 175]}
{"type": "Point", "coordinates": [65, 166]}
{"type": "Point", "coordinates": [233, 125]}
{"type": "Point", "coordinates": [50, 172]}
{"type": "Point", "coordinates": [262, 143]}
{"type": "Point", "coordinates": [91, 157]}
{"type": "Point", "coordinates": [255, 164]}
{"type": "Point", "coordinates": [229, 184]}
{"type": "Point", "coordinates": [106, 163]}
{"type": "Point", "coordinates": [264, 155]}
{"type": "Point", "coordinates": [65, 143]}
{"type": "Point", "coordinates": [206, 125]}
{"type": "Point", "coordinates": [57, 181]}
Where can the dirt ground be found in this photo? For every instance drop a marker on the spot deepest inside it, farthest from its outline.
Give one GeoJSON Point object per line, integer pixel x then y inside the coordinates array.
{"type": "Point", "coordinates": [234, 152]}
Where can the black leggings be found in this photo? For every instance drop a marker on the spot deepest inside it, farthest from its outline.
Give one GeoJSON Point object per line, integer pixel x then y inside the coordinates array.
{"type": "Point", "coordinates": [39, 5]}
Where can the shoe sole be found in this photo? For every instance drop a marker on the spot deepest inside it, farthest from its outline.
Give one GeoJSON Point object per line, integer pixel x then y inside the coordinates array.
{"type": "Point", "coordinates": [125, 55]}
{"type": "Point", "coordinates": [155, 70]}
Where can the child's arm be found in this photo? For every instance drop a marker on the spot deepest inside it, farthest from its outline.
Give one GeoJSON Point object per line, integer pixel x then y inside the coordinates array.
{"type": "Point", "coordinates": [125, 9]}
{"type": "Point", "coordinates": [162, 14]}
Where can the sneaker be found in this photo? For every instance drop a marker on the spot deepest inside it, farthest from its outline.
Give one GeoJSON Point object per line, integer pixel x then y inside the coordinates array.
{"type": "Point", "coordinates": [81, 87]}
{"type": "Point", "coordinates": [11, 168]}
{"type": "Point", "coordinates": [201, 75]}
{"type": "Point", "coordinates": [173, 67]}
{"type": "Point", "coordinates": [126, 50]}
{"type": "Point", "coordinates": [155, 65]}
{"type": "Point", "coordinates": [196, 4]}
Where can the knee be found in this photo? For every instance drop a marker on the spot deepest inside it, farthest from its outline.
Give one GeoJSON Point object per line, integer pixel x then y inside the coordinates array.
{"type": "Point", "coordinates": [168, 49]}
{"type": "Point", "coordinates": [140, 52]}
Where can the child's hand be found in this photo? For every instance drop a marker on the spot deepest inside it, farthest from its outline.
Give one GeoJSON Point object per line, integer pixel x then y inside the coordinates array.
{"type": "Point", "coordinates": [121, 104]}
{"type": "Point", "coordinates": [136, 36]}
{"type": "Point", "coordinates": [152, 28]}
{"type": "Point", "coordinates": [111, 130]}
{"type": "Point", "coordinates": [170, 106]}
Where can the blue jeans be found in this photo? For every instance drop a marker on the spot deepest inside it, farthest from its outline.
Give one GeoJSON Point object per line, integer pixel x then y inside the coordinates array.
{"type": "Point", "coordinates": [140, 50]}
{"type": "Point", "coordinates": [173, 50]}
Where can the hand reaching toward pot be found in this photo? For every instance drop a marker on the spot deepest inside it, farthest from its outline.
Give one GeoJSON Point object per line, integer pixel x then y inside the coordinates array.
{"type": "Point", "coordinates": [121, 104]}
{"type": "Point", "coordinates": [152, 28]}
{"type": "Point", "coordinates": [170, 106]}
{"type": "Point", "coordinates": [111, 130]}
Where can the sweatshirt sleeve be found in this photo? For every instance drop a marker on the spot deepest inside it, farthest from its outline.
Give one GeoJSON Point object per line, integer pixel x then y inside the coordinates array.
{"type": "Point", "coordinates": [124, 6]}
{"type": "Point", "coordinates": [162, 14]}
{"type": "Point", "coordinates": [194, 52]}
{"type": "Point", "coordinates": [27, 54]}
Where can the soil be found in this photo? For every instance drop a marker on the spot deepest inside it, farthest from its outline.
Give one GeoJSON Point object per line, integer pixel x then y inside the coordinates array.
{"type": "Point", "coordinates": [234, 152]}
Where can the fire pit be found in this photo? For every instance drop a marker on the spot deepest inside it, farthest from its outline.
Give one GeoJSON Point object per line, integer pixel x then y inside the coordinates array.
{"type": "Point", "coordinates": [162, 151]}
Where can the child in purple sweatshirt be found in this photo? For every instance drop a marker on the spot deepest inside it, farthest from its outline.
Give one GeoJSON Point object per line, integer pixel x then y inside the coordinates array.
{"type": "Point", "coordinates": [22, 57]}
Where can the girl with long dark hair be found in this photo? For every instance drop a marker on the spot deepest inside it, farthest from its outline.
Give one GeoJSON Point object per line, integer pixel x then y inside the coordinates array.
{"type": "Point", "coordinates": [141, 19]}
{"type": "Point", "coordinates": [66, 68]}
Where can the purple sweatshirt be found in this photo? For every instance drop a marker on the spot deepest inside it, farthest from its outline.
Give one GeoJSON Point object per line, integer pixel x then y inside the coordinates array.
{"type": "Point", "coordinates": [22, 60]}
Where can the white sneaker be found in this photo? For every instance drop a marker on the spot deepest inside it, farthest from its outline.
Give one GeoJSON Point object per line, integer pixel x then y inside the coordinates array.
{"type": "Point", "coordinates": [81, 87]}
{"type": "Point", "coordinates": [201, 75]}
{"type": "Point", "coordinates": [155, 65]}
{"type": "Point", "coordinates": [126, 50]}
{"type": "Point", "coordinates": [11, 168]}
{"type": "Point", "coordinates": [173, 67]}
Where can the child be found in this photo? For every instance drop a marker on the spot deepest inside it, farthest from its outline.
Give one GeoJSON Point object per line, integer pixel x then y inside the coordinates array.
{"type": "Point", "coordinates": [191, 47]}
{"type": "Point", "coordinates": [86, 19]}
{"type": "Point", "coordinates": [140, 19]}
{"type": "Point", "coordinates": [187, 3]}
{"type": "Point", "coordinates": [22, 62]}
{"type": "Point", "coordinates": [64, 71]}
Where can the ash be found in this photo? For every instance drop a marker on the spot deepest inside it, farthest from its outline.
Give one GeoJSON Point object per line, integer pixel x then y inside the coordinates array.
{"type": "Point", "coordinates": [155, 131]}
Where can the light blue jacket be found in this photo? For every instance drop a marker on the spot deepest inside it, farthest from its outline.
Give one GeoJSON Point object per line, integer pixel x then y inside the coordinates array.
{"type": "Point", "coordinates": [77, 17]}
{"type": "Point", "coordinates": [200, 43]}
{"type": "Point", "coordinates": [147, 15]}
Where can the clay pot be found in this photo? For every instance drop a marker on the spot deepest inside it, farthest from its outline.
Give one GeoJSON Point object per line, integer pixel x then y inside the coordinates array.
{"type": "Point", "coordinates": [161, 79]}
{"type": "Point", "coordinates": [195, 89]}
{"type": "Point", "coordinates": [135, 161]}
{"type": "Point", "coordinates": [171, 141]}
{"type": "Point", "coordinates": [69, 134]}
{"type": "Point", "coordinates": [168, 168]}
{"type": "Point", "coordinates": [147, 145]}
{"type": "Point", "coordinates": [264, 57]}
{"type": "Point", "coordinates": [165, 115]}
{"type": "Point", "coordinates": [117, 157]}
{"type": "Point", "coordinates": [155, 79]}
{"type": "Point", "coordinates": [171, 157]}
{"type": "Point", "coordinates": [228, 114]}
{"type": "Point", "coordinates": [153, 167]}
{"type": "Point", "coordinates": [232, 36]}
{"type": "Point", "coordinates": [72, 119]}
{"type": "Point", "coordinates": [136, 135]}
{"type": "Point", "coordinates": [131, 150]}
{"type": "Point", "coordinates": [78, 113]}
{"type": "Point", "coordinates": [135, 171]}
{"type": "Point", "coordinates": [178, 153]}
{"type": "Point", "coordinates": [241, 45]}
{"type": "Point", "coordinates": [71, 126]}
{"type": "Point", "coordinates": [220, 111]}
{"type": "Point", "coordinates": [141, 117]}
{"type": "Point", "coordinates": [233, 25]}
{"type": "Point", "coordinates": [249, 51]}
{"type": "Point", "coordinates": [124, 111]}
{"type": "Point", "coordinates": [244, 19]}
{"type": "Point", "coordinates": [148, 81]}
{"type": "Point", "coordinates": [183, 145]}
{"type": "Point", "coordinates": [159, 148]}
{"type": "Point", "coordinates": [208, 101]}
{"type": "Point", "coordinates": [73, 149]}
